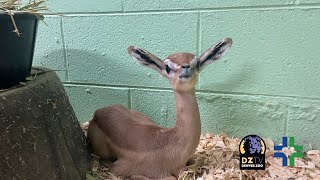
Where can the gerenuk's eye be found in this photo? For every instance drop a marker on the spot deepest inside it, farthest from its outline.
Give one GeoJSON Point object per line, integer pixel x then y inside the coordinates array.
{"type": "Point", "coordinates": [168, 69]}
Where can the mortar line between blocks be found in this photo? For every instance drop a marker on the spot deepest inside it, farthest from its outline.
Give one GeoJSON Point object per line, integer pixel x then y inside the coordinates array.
{"type": "Point", "coordinates": [70, 83]}
{"type": "Point", "coordinates": [122, 7]}
{"type": "Point", "coordinates": [198, 45]}
{"type": "Point", "coordinates": [218, 9]}
{"type": "Point", "coordinates": [64, 49]}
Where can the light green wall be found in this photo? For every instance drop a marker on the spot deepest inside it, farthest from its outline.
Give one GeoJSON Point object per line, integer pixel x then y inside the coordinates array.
{"type": "Point", "coordinates": [268, 83]}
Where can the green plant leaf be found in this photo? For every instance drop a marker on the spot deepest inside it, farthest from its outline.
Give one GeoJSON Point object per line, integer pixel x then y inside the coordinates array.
{"type": "Point", "coordinates": [30, 78]}
{"type": "Point", "coordinates": [91, 176]}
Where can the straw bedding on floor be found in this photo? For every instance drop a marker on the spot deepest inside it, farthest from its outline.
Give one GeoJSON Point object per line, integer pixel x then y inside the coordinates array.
{"type": "Point", "coordinates": [217, 157]}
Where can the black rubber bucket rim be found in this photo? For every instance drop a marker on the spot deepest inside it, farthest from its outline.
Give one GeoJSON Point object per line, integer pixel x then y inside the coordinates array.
{"type": "Point", "coordinates": [21, 15]}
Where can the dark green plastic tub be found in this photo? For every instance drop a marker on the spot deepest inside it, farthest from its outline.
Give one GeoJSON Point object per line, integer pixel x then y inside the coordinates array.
{"type": "Point", "coordinates": [16, 53]}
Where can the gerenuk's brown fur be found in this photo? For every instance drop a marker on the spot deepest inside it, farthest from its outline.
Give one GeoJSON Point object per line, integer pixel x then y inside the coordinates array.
{"type": "Point", "coordinates": [142, 149]}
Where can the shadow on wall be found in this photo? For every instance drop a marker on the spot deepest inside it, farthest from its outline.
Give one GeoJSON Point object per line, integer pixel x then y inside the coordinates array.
{"type": "Point", "coordinates": [54, 59]}
{"type": "Point", "coordinates": [109, 68]}
{"type": "Point", "coordinates": [89, 66]}
{"type": "Point", "coordinates": [76, 58]}
{"type": "Point", "coordinates": [87, 69]}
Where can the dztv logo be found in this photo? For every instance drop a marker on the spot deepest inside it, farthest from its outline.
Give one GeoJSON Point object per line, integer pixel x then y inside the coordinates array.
{"type": "Point", "coordinates": [252, 153]}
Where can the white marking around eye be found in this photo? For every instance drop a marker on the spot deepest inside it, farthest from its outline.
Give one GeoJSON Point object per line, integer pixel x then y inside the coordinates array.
{"type": "Point", "coordinates": [171, 65]}
{"type": "Point", "coordinates": [194, 61]}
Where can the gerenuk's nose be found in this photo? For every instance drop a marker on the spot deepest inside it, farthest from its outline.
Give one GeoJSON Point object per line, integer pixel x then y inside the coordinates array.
{"type": "Point", "coordinates": [185, 66]}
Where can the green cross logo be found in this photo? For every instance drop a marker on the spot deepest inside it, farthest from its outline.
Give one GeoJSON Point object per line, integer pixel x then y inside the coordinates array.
{"type": "Point", "coordinates": [297, 154]}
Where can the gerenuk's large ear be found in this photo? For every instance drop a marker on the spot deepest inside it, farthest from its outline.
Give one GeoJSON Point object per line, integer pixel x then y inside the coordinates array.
{"type": "Point", "coordinates": [215, 52]}
{"type": "Point", "coordinates": [147, 59]}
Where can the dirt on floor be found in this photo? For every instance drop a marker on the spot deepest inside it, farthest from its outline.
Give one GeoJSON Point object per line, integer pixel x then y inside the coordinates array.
{"type": "Point", "coordinates": [217, 157]}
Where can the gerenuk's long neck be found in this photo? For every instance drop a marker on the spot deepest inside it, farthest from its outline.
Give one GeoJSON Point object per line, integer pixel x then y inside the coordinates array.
{"type": "Point", "coordinates": [188, 117]}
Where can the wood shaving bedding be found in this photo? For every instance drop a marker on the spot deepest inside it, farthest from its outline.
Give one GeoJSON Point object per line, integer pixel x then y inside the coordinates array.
{"type": "Point", "coordinates": [217, 157]}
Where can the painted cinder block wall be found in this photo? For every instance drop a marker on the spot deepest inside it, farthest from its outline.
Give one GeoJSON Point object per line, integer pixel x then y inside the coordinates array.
{"type": "Point", "coordinates": [268, 83]}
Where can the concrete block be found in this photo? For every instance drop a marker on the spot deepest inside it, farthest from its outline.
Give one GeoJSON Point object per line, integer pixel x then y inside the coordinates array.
{"type": "Point", "coordinates": [303, 122]}
{"type": "Point", "coordinates": [158, 105]}
{"type": "Point", "coordinates": [275, 52]}
{"type": "Point", "coordinates": [85, 100]}
{"type": "Point", "coordinates": [241, 115]}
